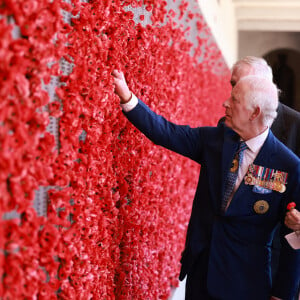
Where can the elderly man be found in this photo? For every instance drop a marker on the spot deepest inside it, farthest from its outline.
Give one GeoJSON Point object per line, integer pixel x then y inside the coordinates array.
{"type": "Point", "coordinates": [247, 177]}
{"type": "Point", "coordinates": [286, 127]}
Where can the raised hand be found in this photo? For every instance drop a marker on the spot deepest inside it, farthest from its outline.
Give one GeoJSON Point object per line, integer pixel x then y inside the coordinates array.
{"type": "Point", "coordinates": [121, 88]}
{"type": "Point", "coordinates": [292, 219]}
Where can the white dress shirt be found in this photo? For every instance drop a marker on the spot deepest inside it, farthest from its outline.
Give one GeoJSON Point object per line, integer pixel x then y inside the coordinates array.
{"type": "Point", "coordinates": [254, 145]}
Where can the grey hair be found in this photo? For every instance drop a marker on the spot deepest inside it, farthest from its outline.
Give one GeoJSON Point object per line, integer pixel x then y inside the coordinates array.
{"type": "Point", "coordinates": [260, 91]}
{"type": "Point", "coordinates": [258, 66]}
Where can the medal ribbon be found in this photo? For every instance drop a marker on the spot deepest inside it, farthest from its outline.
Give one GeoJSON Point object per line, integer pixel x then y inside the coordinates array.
{"type": "Point", "coordinates": [266, 177]}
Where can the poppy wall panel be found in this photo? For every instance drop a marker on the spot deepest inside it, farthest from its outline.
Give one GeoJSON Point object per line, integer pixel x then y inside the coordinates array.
{"type": "Point", "coordinates": [90, 209]}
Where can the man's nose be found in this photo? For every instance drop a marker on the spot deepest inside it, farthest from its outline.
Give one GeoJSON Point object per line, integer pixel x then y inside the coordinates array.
{"type": "Point", "coordinates": [226, 103]}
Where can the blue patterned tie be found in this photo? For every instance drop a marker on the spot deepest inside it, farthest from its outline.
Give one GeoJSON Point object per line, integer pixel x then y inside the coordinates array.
{"type": "Point", "coordinates": [233, 173]}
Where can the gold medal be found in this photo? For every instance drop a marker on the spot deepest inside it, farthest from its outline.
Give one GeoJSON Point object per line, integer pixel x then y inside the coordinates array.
{"type": "Point", "coordinates": [261, 207]}
{"type": "Point", "coordinates": [278, 176]}
{"type": "Point", "coordinates": [265, 184]}
{"type": "Point", "coordinates": [248, 179]}
{"type": "Point", "coordinates": [277, 186]}
{"type": "Point", "coordinates": [269, 185]}
{"type": "Point", "coordinates": [282, 188]}
{"type": "Point", "coordinates": [234, 166]}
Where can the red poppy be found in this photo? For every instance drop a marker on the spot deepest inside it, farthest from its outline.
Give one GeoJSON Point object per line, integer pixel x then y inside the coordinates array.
{"type": "Point", "coordinates": [291, 205]}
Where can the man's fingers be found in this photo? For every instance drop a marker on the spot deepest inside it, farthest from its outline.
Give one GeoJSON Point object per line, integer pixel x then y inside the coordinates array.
{"type": "Point", "coordinates": [292, 219]}
{"type": "Point", "coordinates": [295, 215]}
{"type": "Point", "coordinates": [118, 74]}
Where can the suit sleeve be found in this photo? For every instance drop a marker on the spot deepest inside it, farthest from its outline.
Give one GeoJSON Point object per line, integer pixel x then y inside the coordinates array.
{"type": "Point", "coordinates": [287, 279]}
{"type": "Point", "coordinates": [181, 139]}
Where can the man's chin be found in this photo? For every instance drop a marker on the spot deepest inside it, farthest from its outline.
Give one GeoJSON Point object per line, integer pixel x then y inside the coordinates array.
{"type": "Point", "coordinates": [227, 122]}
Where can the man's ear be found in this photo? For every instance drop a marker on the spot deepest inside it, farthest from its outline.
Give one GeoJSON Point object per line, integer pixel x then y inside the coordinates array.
{"type": "Point", "coordinates": [255, 113]}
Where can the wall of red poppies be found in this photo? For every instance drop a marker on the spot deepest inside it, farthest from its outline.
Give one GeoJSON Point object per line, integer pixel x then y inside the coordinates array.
{"type": "Point", "coordinates": [117, 206]}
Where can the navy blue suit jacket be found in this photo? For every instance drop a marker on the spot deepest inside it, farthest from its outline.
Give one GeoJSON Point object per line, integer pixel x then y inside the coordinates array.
{"type": "Point", "coordinates": [238, 241]}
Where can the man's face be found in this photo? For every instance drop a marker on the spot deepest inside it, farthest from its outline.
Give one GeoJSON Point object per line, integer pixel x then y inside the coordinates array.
{"type": "Point", "coordinates": [237, 114]}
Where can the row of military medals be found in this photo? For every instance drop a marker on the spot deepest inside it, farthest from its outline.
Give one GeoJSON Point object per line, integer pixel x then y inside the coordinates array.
{"type": "Point", "coordinates": [267, 178]}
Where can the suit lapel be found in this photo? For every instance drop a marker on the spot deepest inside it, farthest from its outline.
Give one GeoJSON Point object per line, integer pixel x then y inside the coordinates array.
{"type": "Point", "coordinates": [265, 155]}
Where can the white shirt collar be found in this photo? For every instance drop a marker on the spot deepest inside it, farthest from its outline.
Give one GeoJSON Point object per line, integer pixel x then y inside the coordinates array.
{"type": "Point", "coordinates": [256, 143]}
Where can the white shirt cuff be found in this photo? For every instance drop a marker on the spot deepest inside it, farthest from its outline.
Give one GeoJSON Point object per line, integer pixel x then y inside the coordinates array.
{"type": "Point", "coordinates": [294, 240]}
{"type": "Point", "coordinates": [131, 104]}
